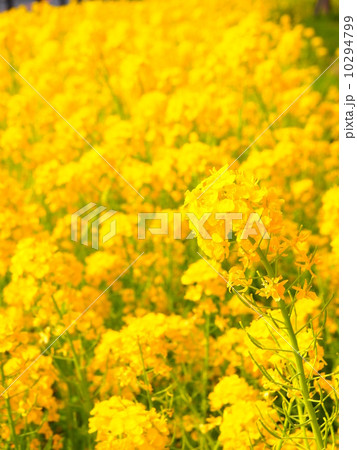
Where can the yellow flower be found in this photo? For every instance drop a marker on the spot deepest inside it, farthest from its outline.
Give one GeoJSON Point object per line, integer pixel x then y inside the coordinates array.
{"type": "Point", "coordinates": [273, 287]}
{"type": "Point", "coordinates": [123, 424]}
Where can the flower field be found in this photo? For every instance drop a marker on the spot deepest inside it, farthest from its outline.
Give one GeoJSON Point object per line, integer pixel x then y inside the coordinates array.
{"type": "Point", "coordinates": [183, 109]}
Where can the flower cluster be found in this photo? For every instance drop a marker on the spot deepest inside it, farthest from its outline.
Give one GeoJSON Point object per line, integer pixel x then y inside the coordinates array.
{"type": "Point", "coordinates": [122, 424]}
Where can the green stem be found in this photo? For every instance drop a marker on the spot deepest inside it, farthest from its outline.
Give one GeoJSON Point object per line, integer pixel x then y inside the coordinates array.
{"type": "Point", "coordinates": [302, 420]}
{"type": "Point", "coordinates": [264, 261]}
{"type": "Point", "coordinates": [9, 412]}
{"type": "Point", "coordinates": [303, 383]}
{"type": "Point", "coordinates": [298, 358]}
{"type": "Point", "coordinates": [84, 388]}
{"type": "Point", "coordinates": [286, 423]}
{"type": "Point", "coordinates": [146, 379]}
{"type": "Point", "coordinates": [206, 367]}
{"type": "Point", "coordinates": [190, 405]}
